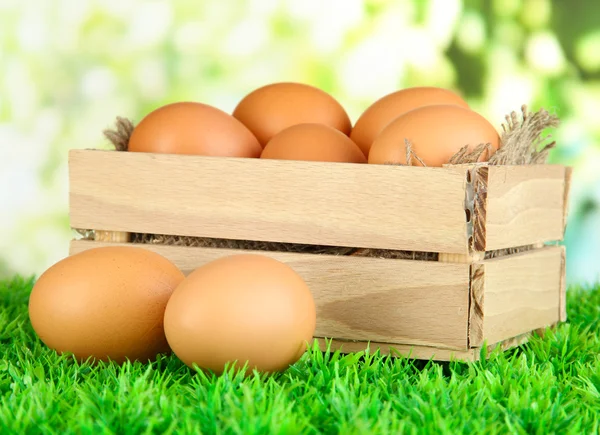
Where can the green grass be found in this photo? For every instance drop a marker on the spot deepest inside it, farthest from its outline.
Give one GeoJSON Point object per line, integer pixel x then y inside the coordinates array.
{"type": "Point", "coordinates": [550, 385]}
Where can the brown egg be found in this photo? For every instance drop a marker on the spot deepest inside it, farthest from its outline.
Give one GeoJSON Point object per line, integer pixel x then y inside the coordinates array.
{"type": "Point", "coordinates": [316, 142]}
{"type": "Point", "coordinates": [105, 303]}
{"type": "Point", "coordinates": [272, 108]}
{"type": "Point", "coordinates": [436, 133]}
{"type": "Point", "coordinates": [386, 109]}
{"type": "Point", "coordinates": [241, 308]}
{"type": "Point", "coordinates": [193, 128]}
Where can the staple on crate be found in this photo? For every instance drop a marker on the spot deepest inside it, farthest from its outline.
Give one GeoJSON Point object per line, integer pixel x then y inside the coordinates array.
{"type": "Point", "coordinates": [521, 143]}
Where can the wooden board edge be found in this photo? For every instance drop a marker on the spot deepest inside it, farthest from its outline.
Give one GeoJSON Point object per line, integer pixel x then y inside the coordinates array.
{"type": "Point", "coordinates": [431, 353]}
{"type": "Point", "coordinates": [562, 298]}
{"type": "Point", "coordinates": [509, 343]}
{"type": "Point", "coordinates": [398, 350]}
{"type": "Point", "coordinates": [480, 186]}
{"type": "Point", "coordinates": [112, 236]}
{"type": "Point", "coordinates": [566, 195]}
{"type": "Point", "coordinates": [519, 340]}
{"type": "Point", "coordinates": [476, 304]}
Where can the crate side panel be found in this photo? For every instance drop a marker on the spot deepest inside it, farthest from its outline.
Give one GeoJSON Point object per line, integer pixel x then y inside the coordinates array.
{"type": "Point", "coordinates": [358, 298]}
{"type": "Point", "coordinates": [525, 205]}
{"type": "Point", "coordinates": [364, 206]}
{"type": "Point", "coordinates": [521, 293]}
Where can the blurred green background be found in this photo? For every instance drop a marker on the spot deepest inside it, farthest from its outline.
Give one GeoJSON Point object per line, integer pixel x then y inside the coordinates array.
{"type": "Point", "coordinates": [68, 68]}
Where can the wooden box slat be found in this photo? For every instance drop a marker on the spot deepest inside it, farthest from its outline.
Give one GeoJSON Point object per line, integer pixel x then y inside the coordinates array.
{"type": "Point", "coordinates": [411, 351]}
{"type": "Point", "coordinates": [370, 206]}
{"type": "Point", "coordinates": [525, 205]}
{"type": "Point", "coordinates": [563, 287]}
{"type": "Point", "coordinates": [424, 352]}
{"type": "Point", "coordinates": [521, 293]}
{"type": "Point", "coordinates": [360, 298]}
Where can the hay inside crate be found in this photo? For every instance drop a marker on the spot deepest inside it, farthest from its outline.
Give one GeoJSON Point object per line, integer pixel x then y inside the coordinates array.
{"type": "Point", "coordinates": [447, 304]}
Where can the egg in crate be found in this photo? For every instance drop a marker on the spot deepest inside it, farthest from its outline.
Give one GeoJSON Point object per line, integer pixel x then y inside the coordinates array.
{"type": "Point", "coordinates": [383, 111]}
{"type": "Point", "coordinates": [315, 142]}
{"type": "Point", "coordinates": [436, 133]}
{"type": "Point", "coordinates": [272, 108]}
{"type": "Point", "coordinates": [195, 129]}
{"type": "Point", "coordinates": [105, 303]}
{"type": "Point", "coordinates": [238, 309]}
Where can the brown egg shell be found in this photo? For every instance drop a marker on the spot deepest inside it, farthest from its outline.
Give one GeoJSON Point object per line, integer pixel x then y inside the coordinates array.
{"type": "Point", "coordinates": [270, 109]}
{"type": "Point", "coordinates": [105, 304]}
{"type": "Point", "coordinates": [313, 142]}
{"type": "Point", "coordinates": [435, 133]}
{"type": "Point", "coordinates": [383, 111]}
{"type": "Point", "coordinates": [193, 129]}
{"type": "Point", "coordinates": [244, 308]}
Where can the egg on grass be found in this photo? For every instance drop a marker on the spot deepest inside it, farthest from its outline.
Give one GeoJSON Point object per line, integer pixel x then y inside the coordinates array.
{"type": "Point", "coordinates": [242, 310]}
{"type": "Point", "coordinates": [105, 303]}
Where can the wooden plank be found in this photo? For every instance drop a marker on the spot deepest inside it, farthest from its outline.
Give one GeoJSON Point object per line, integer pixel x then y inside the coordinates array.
{"type": "Point", "coordinates": [517, 341]}
{"type": "Point", "coordinates": [473, 257]}
{"type": "Point", "coordinates": [563, 283]}
{"type": "Point", "coordinates": [112, 236]}
{"type": "Point", "coordinates": [359, 298]}
{"type": "Point", "coordinates": [337, 204]}
{"type": "Point", "coordinates": [479, 191]}
{"type": "Point", "coordinates": [568, 175]}
{"type": "Point", "coordinates": [507, 344]}
{"type": "Point", "coordinates": [563, 287]}
{"type": "Point", "coordinates": [476, 304]}
{"type": "Point", "coordinates": [425, 352]}
{"type": "Point", "coordinates": [524, 205]}
{"type": "Point", "coordinates": [400, 350]}
{"type": "Point", "coordinates": [521, 292]}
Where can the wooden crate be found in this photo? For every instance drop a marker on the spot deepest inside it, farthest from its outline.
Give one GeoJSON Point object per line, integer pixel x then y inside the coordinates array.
{"type": "Point", "coordinates": [446, 309]}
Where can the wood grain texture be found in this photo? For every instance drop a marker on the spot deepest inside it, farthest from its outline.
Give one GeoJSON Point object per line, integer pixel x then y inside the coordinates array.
{"type": "Point", "coordinates": [425, 352]}
{"type": "Point", "coordinates": [509, 343]}
{"type": "Point", "coordinates": [568, 175]}
{"type": "Point", "coordinates": [519, 340]}
{"type": "Point", "coordinates": [338, 204]}
{"type": "Point", "coordinates": [112, 236]}
{"type": "Point", "coordinates": [476, 304]}
{"type": "Point", "coordinates": [400, 350]}
{"type": "Point", "coordinates": [525, 205]}
{"type": "Point", "coordinates": [360, 298]}
{"type": "Point", "coordinates": [563, 288]}
{"type": "Point", "coordinates": [522, 292]}
{"type": "Point", "coordinates": [480, 192]}
{"type": "Point", "coordinates": [473, 257]}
